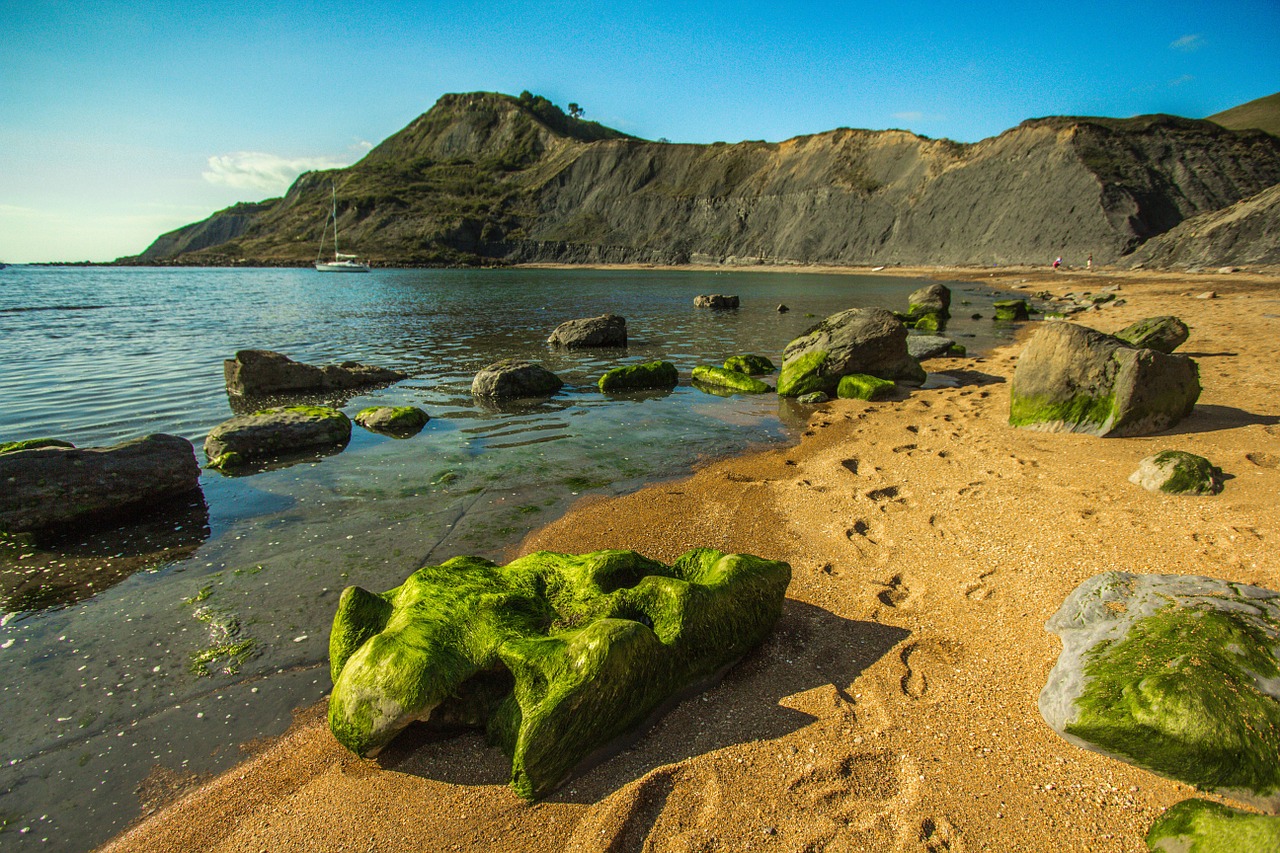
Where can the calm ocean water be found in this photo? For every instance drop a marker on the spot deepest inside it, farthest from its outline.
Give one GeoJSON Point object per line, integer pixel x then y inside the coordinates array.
{"type": "Point", "coordinates": [167, 646]}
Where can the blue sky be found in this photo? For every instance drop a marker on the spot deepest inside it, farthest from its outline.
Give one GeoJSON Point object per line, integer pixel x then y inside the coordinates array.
{"type": "Point", "coordinates": [119, 121]}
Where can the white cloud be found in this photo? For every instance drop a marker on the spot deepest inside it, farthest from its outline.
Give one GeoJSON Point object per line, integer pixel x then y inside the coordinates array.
{"type": "Point", "coordinates": [1187, 43]}
{"type": "Point", "coordinates": [260, 171]}
{"type": "Point", "coordinates": [1181, 81]}
{"type": "Point", "coordinates": [909, 116]}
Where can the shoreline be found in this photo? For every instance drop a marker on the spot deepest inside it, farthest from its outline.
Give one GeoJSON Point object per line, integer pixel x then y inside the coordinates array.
{"type": "Point", "coordinates": [893, 707]}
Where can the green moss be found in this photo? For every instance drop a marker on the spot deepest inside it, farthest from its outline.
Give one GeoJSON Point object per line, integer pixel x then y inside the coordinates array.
{"type": "Point", "coordinates": [860, 386]}
{"type": "Point", "coordinates": [1191, 474]}
{"type": "Point", "coordinates": [1011, 309]}
{"type": "Point", "coordinates": [731, 379]}
{"type": "Point", "coordinates": [957, 350]}
{"type": "Point", "coordinates": [1080, 410]}
{"type": "Point", "coordinates": [1180, 696]}
{"type": "Point", "coordinates": [1202, 826]}
{"type": "Point", "coordinates": [638, 377]}
{"type": "Point", "coordinates": [227, 461]}
{"type": "Point", "coordinates": [803, 375]}
{"type": "Point", "coordinates": [752, 365]}
{"type": "Point", "coordinates": [393, 419]}
{"type": "Point", "coordinates": [930, 322]}
{"type": "Point", "coordinates": [555, 654]}
{"type": "Point", "coordinates": [32, 444]}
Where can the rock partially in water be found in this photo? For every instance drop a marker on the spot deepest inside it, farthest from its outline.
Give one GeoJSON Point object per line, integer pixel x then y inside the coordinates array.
{"type": "Point", "coordinates": [1177, 472]}
{"type": "Point", "coordinates": [607, 330]}
{"type": "Point", "coordinates": [396, 421]}
{"type": "Point", "coordinates": [1073, 379]}
{"type": "Point", "coordinates": [859, 386]}
{"type": "Point", "coordinates": [1176, 674]}
{"type": "Point", "coordinates": [640, 377]}
{"type": "Point", "coordinates": [860, 340]}
{"type": "Point", "coordinates": [261, 373]}
{"type": "Point", "coordinates": [53, 487]}
{"type": "Point", "coordinates": [1203, 826]}
{"type": "Point", "coordinates": [931, 299]}
{"type": "Point", "coordinates": [922, 347]}
{"type": "Point", "coordinates": [715, 300]}
{"type": "Point", "coordinates": [718, 377]}
{"type": "Point", "coordinates": [554, 655]}
{"type": "Point", "coordinates": [1011, 310]}
{"type": "Point", "coordinates": [752, 365]}
{"type": "Point", "coordinates": [513, 378]}
{"type": "Point", "coordinates": [1162, 334]}
{"type": "Point", "coordinates": [274, 433]}
{"type": "Point", "coordinates": [32, 444]}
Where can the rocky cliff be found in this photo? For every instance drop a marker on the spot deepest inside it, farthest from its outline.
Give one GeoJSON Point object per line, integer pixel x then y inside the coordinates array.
{"type": "Point", "coordinates": [488, 178]}
{"type": "Point", "coordinates": [1245, 234]}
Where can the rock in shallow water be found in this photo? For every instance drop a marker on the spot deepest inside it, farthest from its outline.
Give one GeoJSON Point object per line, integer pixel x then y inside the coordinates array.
{"type": "Point", "coordinates": [859, 340]}
{"type": "Point", "coordinates": [607, 330]}
{"type": "Point", "coordinates": [513, 378]}
{"type": "Point", "coordinates": [260, 373]}
{"type": "Point", "coordinates": [398, 421]}
{"type": "Point", "coordinates": [273, 433]}
{"type": "Point", "coordinates": [640, 377]}
{"type": "Point", "coordinates": [554, 655]}
{"type": "Point", "coordinates": [1176, 674]}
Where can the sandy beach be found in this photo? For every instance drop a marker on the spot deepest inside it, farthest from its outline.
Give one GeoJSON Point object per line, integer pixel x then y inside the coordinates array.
{"type": "Point", "coordinates": [894, 706]}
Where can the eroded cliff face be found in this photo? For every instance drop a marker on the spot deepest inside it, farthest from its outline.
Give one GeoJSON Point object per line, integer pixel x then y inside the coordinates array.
{"type": "Point", "coordinates": [1245, 234]}
{"type": "Point", "coordinates": [484, 178]}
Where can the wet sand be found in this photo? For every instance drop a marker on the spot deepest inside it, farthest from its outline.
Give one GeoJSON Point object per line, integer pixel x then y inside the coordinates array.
{"type": "Point", "coordinates": [894, 706]}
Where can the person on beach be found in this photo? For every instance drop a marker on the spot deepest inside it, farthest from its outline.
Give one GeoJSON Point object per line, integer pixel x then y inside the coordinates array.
{"type": "Point", "coordinates": [1057, 262]}
{"type": "Point", "coordinates": [1088, 264]}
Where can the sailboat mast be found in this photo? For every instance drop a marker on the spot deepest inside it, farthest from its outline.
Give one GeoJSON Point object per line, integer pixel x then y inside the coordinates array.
{"type": "Point", "coordinates": [334, 188]}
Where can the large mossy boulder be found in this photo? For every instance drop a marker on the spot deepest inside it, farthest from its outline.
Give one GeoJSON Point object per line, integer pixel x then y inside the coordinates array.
{"type": "Point", "coordinates": [395, 421]}
{"type": "Point", "coordinates": [859, 340]}
{"type": "Point", "coordinates": [640, 377]}
{"type": "Point", "coordinates": [260, 373]}
{"type": "Point", "coordinates": [276, 433]}
{"type": "Point", "coordinates": [607, 330]}
{"type": "Point", "coordinates": [1176, 674]}
{"type": "Point", "coordinates": [719, 377]}
{"type": "Point", "coordinates": [1073, 379]}
{"type": "Point", "coordinates": [554, 655]}
{"type": "Point", "coordinates": [1203, 826]}
{"type": "Point", "coordinates": [1177, 472]}
{"type": "Point", "coordinates": [929, 308]}
{"type": "Point", "coordinates": [512, 378]}
{"type": "Point", "coordinates": [52, 487]}
{"type": "Point", "coordinates": [1162, 334]}
{"type": "Point", "coordinates": [752, 365]}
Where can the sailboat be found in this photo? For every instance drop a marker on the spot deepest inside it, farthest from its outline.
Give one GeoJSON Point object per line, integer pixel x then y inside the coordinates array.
{"type": "Point", "coordinates": [340, 262]}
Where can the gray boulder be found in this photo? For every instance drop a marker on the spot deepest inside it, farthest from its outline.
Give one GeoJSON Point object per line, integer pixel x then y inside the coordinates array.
{"type": "Point", "coordinates": [860, 340]}
{"type": "Point", "coordinates": [274, 433]}
{"type": "Point", "coordinates": [258, 373]}
{"type": "Point", "coordinates": [51, 487]}
{"type": "Point", "coordinates": [607, 330]}
{"type": "Point", "coordinates": [398, 421]}
{"type": "Point", "coordinates": [934, 299]}
{"type": "Point", "coordinates": [921, 347]}
{"type": "Point", "coordinates": [1176, 674]}
{"type": "Point", "coordinates": [1177, 472]}
{"type": "Point", "coordinates": [1073, 379]}
{"type": "Point", "coordinates": [1162, 334]}
{"type": "Point", "coordinates": [715, 300]}
{"type": "Point", "coordinates": [514, 377]}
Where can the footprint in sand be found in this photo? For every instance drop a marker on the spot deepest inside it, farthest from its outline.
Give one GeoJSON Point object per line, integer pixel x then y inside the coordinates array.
{"type": "Point", "coordinates": [980, 590]}
{"type": "Point", "coordinates": [904, 448]}
{"type": "Point", "coordinates": [929, 665]}
{"type": "Point", "coordinates": [939, 836]}
{"type": "Point", "coordinates": [894, 593]}
{"type": "Point", "coordinates": [838, 787]}
{"type": "Point", "coordinates": [888, 498]}
{"type": "Point", "coordinates": [851, 465]}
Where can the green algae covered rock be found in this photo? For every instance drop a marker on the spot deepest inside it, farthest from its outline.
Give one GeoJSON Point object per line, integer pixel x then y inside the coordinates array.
{"type": "Point", "coordinates": [859, 386]}
{"type": "Point", "coordinates": [928, 323]}
{"type": "Point", "coordinates": [1011, 309]}
{"type": "Point", "coordinates": [33, 444]}
{"type": "Point", "coordinates": [1177, 472]}
{"type": "Point", "coordinates": [640, 377]}
{"type": "Point", "coordinates": [752, 365]}
{"type": "Point", "coordinates": [719, 377]}
{"type": "Point", "coordinates": [554, 655]}
{"type": "Point", "coordinates": [1203, 826]}
{"type": "Point", "coordinates": [859, 340]}
{"type": "Point", "coordinates": [1162, 334]}
{"type": "Point", "coordinates": [273, 433]}
{"type": "Point", "coordinates": [1176, 674]}
{"type": "Point", "coordinates": [401, 421]}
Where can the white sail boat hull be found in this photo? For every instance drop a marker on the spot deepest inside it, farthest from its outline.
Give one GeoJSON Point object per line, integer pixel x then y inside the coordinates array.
{"type": "Point", "coordinates": [341, 266]}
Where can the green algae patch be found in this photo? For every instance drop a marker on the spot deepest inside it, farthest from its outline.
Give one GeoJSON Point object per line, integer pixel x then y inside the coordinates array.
{"type": "Point", "coordinates": [803, 375]}
{"type": "Point", "coordinates": [640, 377]}
{"type": "Point", "coordinates": [930, 322]}
{"type": "Point", "coordinates": [1081, 412]}
{"type": "Point", "coordinates": [33, 444]}
{"type": "Point", "coordinates": [731, 379]}
{"type": "Point", "coordinates": [1202, 826]}
{"type": "Point", "coordinates": [554, 655]}
{"type": "Point", "coordinates": [860, 386]}
{"type": "Point", "coordinates": [1010, 310]}
{"type": "Point", "coordinates": [1177, 472]}
{"type": "Point", "coordinates": [396, 421]}
{"type": "Point", "coordinates": [752, 365]}
{"type": "Point", "coordinates": [957, 350]}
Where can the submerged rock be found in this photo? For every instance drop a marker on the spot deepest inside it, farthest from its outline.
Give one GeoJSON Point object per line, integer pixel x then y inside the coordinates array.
{"type": "Point", "coordinates": [859, 340]}
{"type": "Point", "coordinates": [1162, 334]}
{"type": "Point", "coordinates": [752, 365]}
{"type": "Point", "coordinates": [1203, 826]}
{"type": "Point", "coordinates": [1073, 379]}
{"type": "Point", "coordinates": [607, 330]}
{"type": "Point", "coordinates": [859, 386]}
{"type": "Point", "coordinates": [640, 377]}
{"type": "Point", "coordinates": [515, 377]}
{"type": "Point", "coordinates": [1011, 310]}
{"type": "Point", "coordinates": [718, 377]}
{"type": "Point", "coordinates": [273, 433]}
{"type": "Point", "coordinates": [554, 655]}
{"type": "Point", "coordinates": [400, 421]}
{"type": "Point", "coordinates": [259, 373]}
{"type": "Point", "coordinates": [1177, 472]}
{"type": "Point", "coordinates": [1173, 673]}
{"type": "Point", "coordinates": [715, 300]}
{"type": "Point", "coordinates": [814, 398]}
{"type": "Point", "coordinates": [54, 486]}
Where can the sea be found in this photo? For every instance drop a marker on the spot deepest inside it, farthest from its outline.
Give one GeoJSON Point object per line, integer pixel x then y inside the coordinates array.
{"type": "Point", "coordinates": [142, 657]}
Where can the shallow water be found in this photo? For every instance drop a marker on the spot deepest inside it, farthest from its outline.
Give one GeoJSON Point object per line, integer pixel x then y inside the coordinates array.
{"type": "Point", "coordinates": [168, 646]}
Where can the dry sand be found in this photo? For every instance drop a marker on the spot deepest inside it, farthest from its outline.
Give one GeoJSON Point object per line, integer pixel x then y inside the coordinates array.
{"type": "Point", "coordinates": [894, 707]}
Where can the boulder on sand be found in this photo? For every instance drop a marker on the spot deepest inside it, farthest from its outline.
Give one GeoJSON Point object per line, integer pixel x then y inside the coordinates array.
{"type": "Point", "coordinates": [859, 386]}
{"type": "Point", "coordinates": [859, 340]}
{"type": "Point", "coordinates": [715, 300]}
{"type": "Point", "coordinates": [274, 433]}
{"type": "Point", "coordinates": [51, 487]}
{"type": "Point", "coordinates": [515, 377]}
{"type": "Point", "coordinates": [1162, 334]}
{"type": "Point", "coordinates": [1176, 674]}
{"type": "Point", "coordinates": [923, 347]}
{"type": "Point", "coordinates": [1073, 379]}
{"type": "Point", "coordinates": [607, 330]}
{"type": "Point", "coordinates": [554, 655]}
{"type": "Point", "coordinates": [1177, 472]}
{"type": "Point", "coordinates": [260, 373]}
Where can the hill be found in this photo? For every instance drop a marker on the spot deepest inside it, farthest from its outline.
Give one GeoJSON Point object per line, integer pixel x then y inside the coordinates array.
{"type": "Point", "coordinates": [1260, 114]}
{"type": "Point", "coordinates": [1245, 234]}
{"type": "Point", "coordinates": [490, 178]}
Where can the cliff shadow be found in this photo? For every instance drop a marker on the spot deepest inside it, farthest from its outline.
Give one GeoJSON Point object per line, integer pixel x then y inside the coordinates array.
{"type": "Point", "coordinates": [809, 647]}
